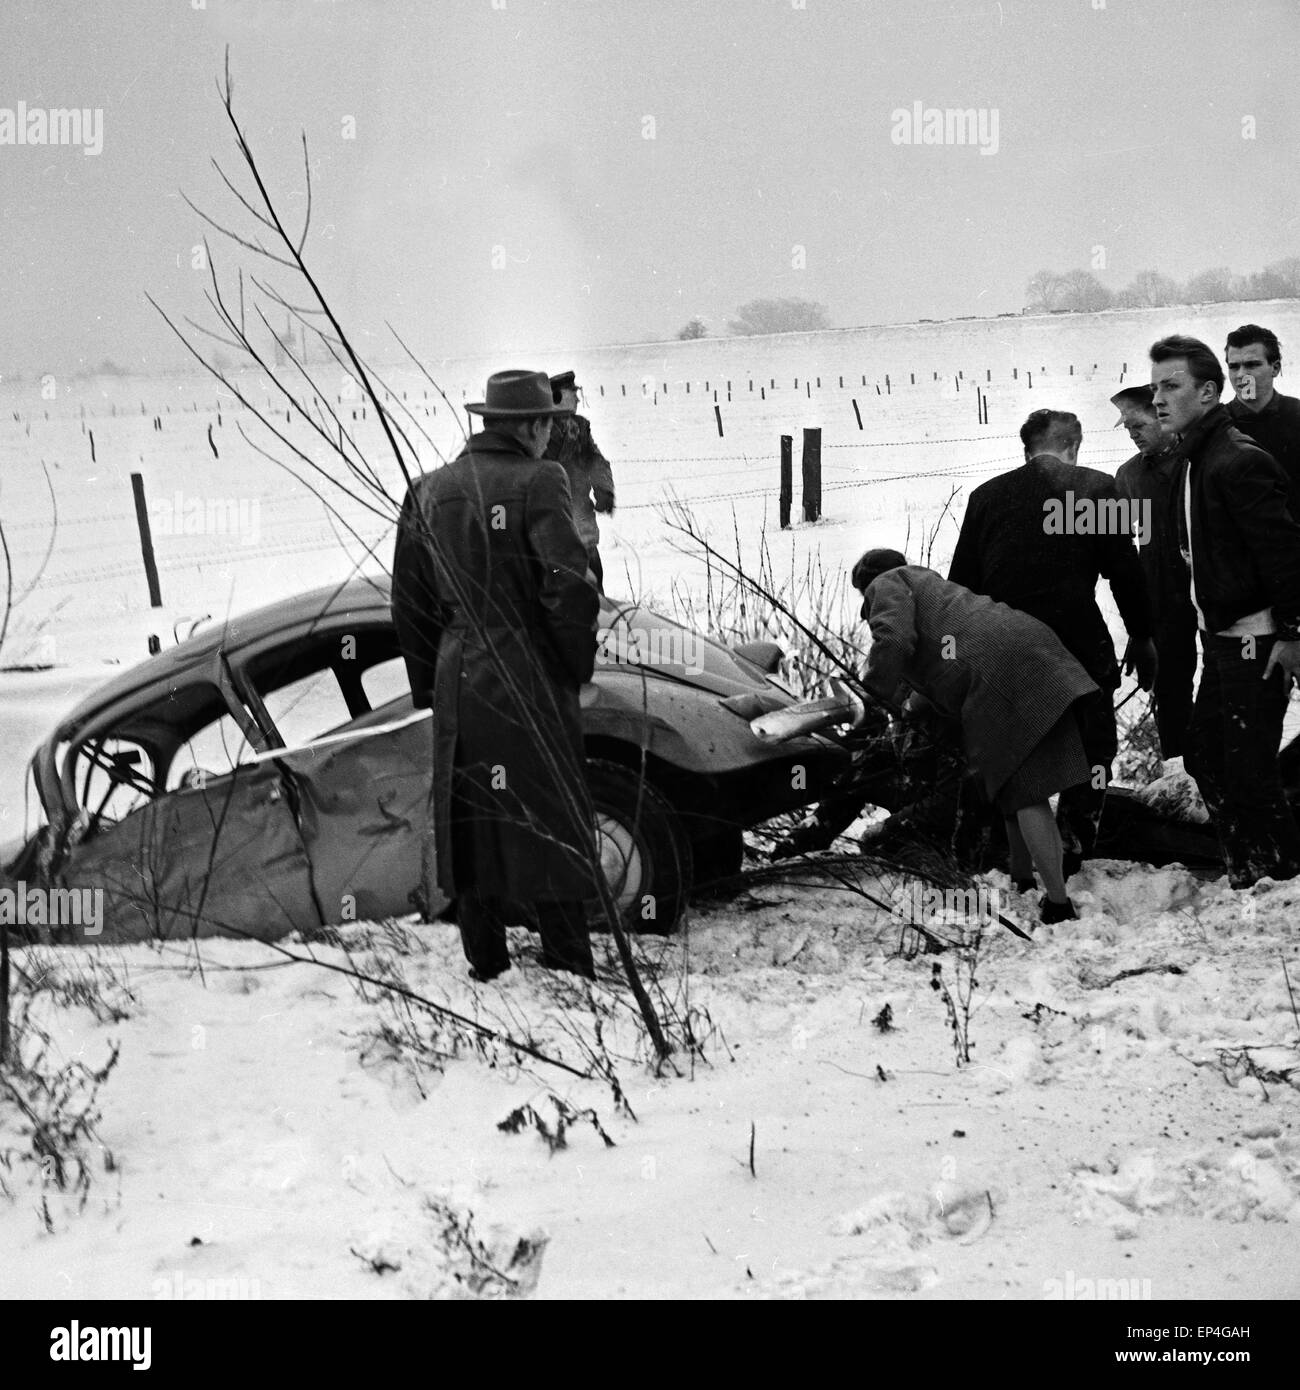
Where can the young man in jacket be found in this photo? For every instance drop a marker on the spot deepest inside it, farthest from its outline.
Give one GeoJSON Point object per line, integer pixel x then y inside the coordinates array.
{"type": "Point", "coordinates": [1243, 553]}
{"type": "Point", "coordinates": [1154, 475]}
{"type": "Point", "coordinates": [496, 618]}
{"type": "Point", "coordinates": [1270, 419]}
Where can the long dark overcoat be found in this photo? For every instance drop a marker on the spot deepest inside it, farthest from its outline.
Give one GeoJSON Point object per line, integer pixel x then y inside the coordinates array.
{"type": "Point", "coordinates": [1005, 675]}
{"type": "Point", "coordinates": [1005, 550]}
{"type": "Point", "coordinates": [497, 620]}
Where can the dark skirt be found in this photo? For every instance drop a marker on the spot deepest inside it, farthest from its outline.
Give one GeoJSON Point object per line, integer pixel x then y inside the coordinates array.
{"type": "Point", "coordinates": [1056, 762]}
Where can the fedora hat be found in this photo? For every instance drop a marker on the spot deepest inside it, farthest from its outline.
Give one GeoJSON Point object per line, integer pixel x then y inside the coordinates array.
{"type": "Point", "coordinates": [521, 395]}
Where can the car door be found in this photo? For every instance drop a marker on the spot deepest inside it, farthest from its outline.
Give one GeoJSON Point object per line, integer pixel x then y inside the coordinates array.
{"type": "Point", "coordinates": [176, 824]}
{"type": "Point", "coordinates": [222, 858]}
{"type": "Point", "coordinates": [363, 808]}
{"type": "Point", "coordinates": [334, 705]}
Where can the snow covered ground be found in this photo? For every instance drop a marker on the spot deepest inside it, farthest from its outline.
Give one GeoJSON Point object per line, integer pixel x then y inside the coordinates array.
{"type": "Point", "coordinates": [1127, 1124]}
{"type": "Point", "coordinates": [1106, 1140]}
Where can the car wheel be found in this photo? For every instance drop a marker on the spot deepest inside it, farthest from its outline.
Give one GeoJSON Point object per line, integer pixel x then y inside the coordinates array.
{"type": "Point", "coordinates": [645, 856]}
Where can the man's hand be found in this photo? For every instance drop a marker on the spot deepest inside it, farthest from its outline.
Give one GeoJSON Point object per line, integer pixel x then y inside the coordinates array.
{"type": "Point", "coordinates": [804, 839]}
{"type": "Point", "coordinates": [604, 502]}
{"type": "Point", "coordinates": [1286, 657]}
{"type": "Point", "coordinates": [1140, 656]}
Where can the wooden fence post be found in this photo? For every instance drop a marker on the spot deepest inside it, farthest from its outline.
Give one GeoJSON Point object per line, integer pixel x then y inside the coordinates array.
{"type": "Point", "coordinates": [786, 494]}
{"type": "Point", "coordinates": [812, 474]}
{"type": "Point", "coordinates": [146, 549]}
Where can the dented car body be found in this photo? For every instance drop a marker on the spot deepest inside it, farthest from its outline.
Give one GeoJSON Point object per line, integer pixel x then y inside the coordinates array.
{"type": "Point", "coordinates": [271, 774]}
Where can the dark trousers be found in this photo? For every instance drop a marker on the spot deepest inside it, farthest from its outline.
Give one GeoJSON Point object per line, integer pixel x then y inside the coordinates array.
{"type": "Point", "coordinates": [1078, 812]}
{"type": "Point", "coordinates": [482, 919]}
{"type": "Point", "coordinates": [1176, 648]}
{"type": "Point", "coordinates": [597, 569]}
{"type": "Point", "coordinates": [1232, 749]}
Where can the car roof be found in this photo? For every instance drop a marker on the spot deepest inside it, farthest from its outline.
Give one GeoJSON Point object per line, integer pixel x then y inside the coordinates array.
{"type": "Point", "coordinates": [176, 663]}
{"type": "Point", "coordinates": [368, 595]}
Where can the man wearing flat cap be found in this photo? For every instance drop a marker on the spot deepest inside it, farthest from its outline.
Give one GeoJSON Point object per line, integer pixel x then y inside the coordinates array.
{"type": "Point", "coordinates": [572, 446]}
{"type": "Point", "coordinates": [496, 618]}
{"type": "Point", "coordinates": [1154, 477]}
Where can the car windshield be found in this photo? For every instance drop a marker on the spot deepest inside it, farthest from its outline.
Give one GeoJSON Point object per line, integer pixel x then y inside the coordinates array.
{"type": "Point", "coordinates": [182, 738]}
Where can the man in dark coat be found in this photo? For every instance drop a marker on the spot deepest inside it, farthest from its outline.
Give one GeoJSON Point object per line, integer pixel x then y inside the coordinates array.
{"type": "Point", "coordinates": [1154, 475]}
{"type": "Point", "coordinates": [496, 618]}
{"type": "Point", "coordinates": [1259, 411]}
{"type": "Point", "coordinates": [1037, 539]}
{"type": "Point", "coordinates": [572, 446]}
{"type": "Point", "coordinates": [1243, 554]}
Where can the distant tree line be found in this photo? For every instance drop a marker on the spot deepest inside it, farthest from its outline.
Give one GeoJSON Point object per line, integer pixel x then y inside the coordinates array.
{"type": "Point", "coordinates": [1080, 292]}
{"type": "Point", "coordinates": [766, 316]}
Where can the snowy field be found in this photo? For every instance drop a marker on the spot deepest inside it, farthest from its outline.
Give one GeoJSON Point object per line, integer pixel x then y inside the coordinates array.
{"type": "Point", "coordinates": [1130, 1115]}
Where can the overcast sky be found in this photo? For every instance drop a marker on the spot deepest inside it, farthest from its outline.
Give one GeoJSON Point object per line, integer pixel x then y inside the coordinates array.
{"type": "Point", "coordinates": [515, 130]}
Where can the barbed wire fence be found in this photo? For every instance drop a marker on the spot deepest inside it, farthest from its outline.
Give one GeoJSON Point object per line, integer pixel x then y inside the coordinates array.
{"type": "Point", "coordinates": [297, 524]}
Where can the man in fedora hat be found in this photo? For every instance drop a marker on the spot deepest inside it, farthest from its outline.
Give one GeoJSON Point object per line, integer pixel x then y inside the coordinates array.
{"type": "Point", "coordinates": [496, 618]}
{"type": "Point", "coordinates": [572, 446]}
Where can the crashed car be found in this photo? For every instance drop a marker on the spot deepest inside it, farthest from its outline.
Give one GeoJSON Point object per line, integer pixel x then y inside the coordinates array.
{"type": "Point", "coordinates": [271, 774]}
{"type": "Point", "coordinates": [1159, 824]}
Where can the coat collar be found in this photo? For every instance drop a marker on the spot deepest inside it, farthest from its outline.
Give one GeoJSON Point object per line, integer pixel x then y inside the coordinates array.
{"type": "Point", "coordinates": [1238, 411]}
{"type": "Point", "coordinates": [1192, 441]}
{"type": "Point", "coordinates": [494, 442]}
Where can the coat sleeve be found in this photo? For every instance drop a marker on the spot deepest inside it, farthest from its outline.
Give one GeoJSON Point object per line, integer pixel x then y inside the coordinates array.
{"type": "Point", "coordinates": [1118, 562]}
{"type": "Point", "coordinates": [602, 475]}
{"type": "Point", "coordinates": [1126, 478]}
{"type": "Point", "coordinates": [893, 635]}
{"type": "Point", "coordinates": [966, 568]}
{"type": "Point", "coordinates": [569, 602]}
{"type": "Point", "coordinates": [417, 610]}
{"type": "Point", "coordinates": [1257, 490]}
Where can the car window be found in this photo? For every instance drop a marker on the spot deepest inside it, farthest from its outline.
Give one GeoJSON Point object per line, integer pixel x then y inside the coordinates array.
{"type": "Point", "coordinates": [114, 776]}
{"type": "Point", "coordinates": [210, 752]}
{"type": "Point", "coordinates": [307, 708]}
{"type": "Point", "coordinates": [385, 681]}
{"type": "Point", "coordinates": [312, 686]}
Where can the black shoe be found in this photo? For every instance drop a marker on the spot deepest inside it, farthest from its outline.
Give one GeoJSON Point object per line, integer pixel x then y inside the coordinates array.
{"type": "Point", "coordinates": [1023, 885]}
{"type": "Point", "coordinates": [1050, 912]}
{"type": "Point", "coordinates": [481, 977]}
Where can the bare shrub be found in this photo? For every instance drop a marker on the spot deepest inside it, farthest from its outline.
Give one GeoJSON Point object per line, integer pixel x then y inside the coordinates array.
{"type": "Point", "coordinates": [49, 1107]}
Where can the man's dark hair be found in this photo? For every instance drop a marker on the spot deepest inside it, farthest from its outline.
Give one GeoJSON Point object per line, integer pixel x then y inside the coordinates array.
{"type": "Point", "coordinates": [1201, 361]}
{"type": "Point", "coordinates": [875, 563]}
{"type": "Point", "coordinates": [1051, 429]}
{"type": "Point", "coordinates": [1252, 333]}
{"type": "Point", "coordinates": [1140, 397]}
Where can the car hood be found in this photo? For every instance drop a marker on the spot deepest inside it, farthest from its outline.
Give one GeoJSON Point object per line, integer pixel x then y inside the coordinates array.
{"type": "Point", "coordinates": [631, 636]}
